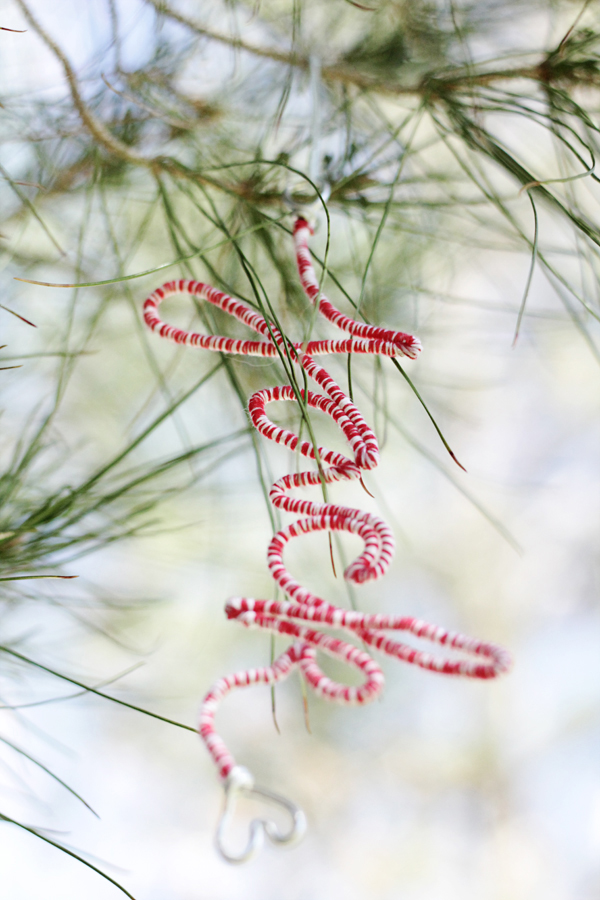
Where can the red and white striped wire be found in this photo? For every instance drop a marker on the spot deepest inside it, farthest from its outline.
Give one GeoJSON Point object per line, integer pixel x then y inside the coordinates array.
{"type": "Point", "coordinates": [303, 615]}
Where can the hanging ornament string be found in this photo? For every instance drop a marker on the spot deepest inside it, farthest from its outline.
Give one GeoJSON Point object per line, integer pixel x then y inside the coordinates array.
{"type": "Point", "coordinates": [303, 615]}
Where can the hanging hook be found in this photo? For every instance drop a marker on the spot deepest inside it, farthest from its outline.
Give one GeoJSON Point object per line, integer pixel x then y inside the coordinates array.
{"type": "Point", "coordinates": [240, 782]}
{"type": "Point", "coordinates": [314, 162]}
{"type": "Point", "coordinates": [309, 210]}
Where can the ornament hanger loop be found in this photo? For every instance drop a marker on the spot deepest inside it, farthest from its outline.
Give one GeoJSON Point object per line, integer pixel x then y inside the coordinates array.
{"type": "Point", "coordinates": [317, 176]}
{"type": "Point", "coordinates": [240, 782]}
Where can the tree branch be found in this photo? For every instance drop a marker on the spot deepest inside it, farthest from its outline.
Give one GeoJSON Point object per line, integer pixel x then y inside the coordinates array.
{"type": "Point", "coordinates": [94, 125]}
{"type": "Point", "coordinates": [542, 72]}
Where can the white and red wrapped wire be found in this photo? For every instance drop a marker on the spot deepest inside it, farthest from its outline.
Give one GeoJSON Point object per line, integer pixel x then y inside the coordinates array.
{"type": "Point", "coordinates": [303, 615]}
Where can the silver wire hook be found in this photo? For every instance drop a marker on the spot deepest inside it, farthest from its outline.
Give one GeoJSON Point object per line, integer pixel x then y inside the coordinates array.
{"type": "Point", "coordinates": [240, 782]}
{"type": "Point", "coordinates": [314, 162]}
{"type": "Point", "coordinates": [316, 174]}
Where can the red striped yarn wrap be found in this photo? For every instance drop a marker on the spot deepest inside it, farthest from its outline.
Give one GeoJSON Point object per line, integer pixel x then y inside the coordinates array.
{"type": "Point", "coordinates": [303, 615]}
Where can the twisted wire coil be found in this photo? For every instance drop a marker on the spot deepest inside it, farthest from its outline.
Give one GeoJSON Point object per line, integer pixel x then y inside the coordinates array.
{"type": "Point", "coordinates": [303, 614]}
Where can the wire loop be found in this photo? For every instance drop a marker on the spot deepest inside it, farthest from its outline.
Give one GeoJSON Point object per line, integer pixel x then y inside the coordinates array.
{"type": "Point", "coordinates": [238, 783]}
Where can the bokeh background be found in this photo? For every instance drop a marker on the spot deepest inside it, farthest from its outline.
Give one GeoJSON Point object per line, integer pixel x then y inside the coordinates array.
{"type": "Point", "coordinates": [443, 789]}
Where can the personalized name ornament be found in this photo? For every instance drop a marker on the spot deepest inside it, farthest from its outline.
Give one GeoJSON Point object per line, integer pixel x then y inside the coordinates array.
{"type": "Point", "coordinates": [302, 613]}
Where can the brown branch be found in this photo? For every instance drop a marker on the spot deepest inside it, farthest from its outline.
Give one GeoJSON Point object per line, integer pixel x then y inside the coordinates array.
{"type": "Point", "coordinates": [346, 75]}
{"type": "Point", "coordinates": [335, 73]}
{"type": "Point", "coordinates": [99, 131]}
{"type": "Point", "coordinates": [94, 125]}
{"type": "Point", "coordinates": [290, 59]}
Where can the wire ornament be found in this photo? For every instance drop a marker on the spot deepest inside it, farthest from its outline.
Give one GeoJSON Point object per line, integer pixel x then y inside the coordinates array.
{"type": "Point", "coordinates": [303, 614]}
{"type": "Point", "coordinates": [240, 782]}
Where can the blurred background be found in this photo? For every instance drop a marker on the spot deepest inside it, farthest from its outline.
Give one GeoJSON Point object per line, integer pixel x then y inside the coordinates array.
{"type": "Point", "coordinates": [456, 142]}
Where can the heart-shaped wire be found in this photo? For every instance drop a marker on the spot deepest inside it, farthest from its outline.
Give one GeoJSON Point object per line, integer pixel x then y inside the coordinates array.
{"type": "Point", "coordinates": [240, 782]}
